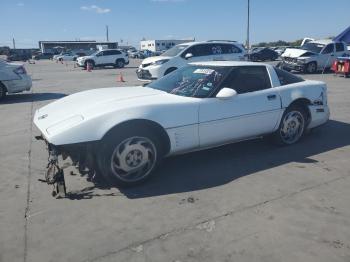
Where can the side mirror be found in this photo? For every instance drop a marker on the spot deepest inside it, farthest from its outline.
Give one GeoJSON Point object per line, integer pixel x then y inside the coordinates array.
{"type": "Point", "coordinates": [226, 93]}
{"type": "Point", "coordinates": [188, 55]}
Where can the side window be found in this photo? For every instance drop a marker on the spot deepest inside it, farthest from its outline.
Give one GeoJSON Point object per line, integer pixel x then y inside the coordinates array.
{"type": "Point", "coordinates": [247, 79]}
{"type": "Point", "coordinates": [287, 78]}
{"type": "Point", "coordinates": [203, 50]}
{"type": "Point", "coordinates": [339, 47]}
{"type": "Point", "coordinates": [190, 50]}
{"type": "Point", "coordinates": [216, 50]}
{"type": "Point", "coordinates": [230, 49]}
{"type": "Point", "coordinates": [114, 52]}
{"type": "Point", "coordinates": [328, 49]}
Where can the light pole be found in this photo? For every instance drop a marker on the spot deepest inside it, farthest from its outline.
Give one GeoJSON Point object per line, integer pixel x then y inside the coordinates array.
{"type": "Point", "coordinates": [248, 22]}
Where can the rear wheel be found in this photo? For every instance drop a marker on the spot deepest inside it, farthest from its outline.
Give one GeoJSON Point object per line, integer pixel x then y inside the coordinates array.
{"type": "Point", "coordinates": [292, 126]}
{"type": "Point", "coordinates": [119, 63]}
{"type": "Point", "coordinates": [128, 157]}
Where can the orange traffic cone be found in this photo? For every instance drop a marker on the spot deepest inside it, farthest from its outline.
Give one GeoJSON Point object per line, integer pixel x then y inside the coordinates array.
{"type": "Point", "coordinates": [121, 78]}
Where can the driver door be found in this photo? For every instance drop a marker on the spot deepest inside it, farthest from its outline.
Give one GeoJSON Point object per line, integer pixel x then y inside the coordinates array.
{"type": "Point", "coordinates": [327, 56]}
{"type": "Point", "coordinates": [100, 58]}
{"type": "Point", "coordinates": [254, 111]}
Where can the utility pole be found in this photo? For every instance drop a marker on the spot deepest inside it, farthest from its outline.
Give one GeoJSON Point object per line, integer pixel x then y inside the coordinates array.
{"type": "Point", "coordinates": [14, 43]}
{"type": "Point", "coordinates": [248, 24]}
{"type": "Point", "coordinates": [107, 37]}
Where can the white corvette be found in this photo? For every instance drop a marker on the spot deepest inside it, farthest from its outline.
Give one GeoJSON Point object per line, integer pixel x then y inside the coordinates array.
{"type": "Point", "coordinates": [124, 132]}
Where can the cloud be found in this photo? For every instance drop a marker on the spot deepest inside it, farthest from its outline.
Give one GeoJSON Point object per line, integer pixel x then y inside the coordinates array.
{"type": "Point", "coordinates": [96, 9]}
{"type": "Point", "coordinates": [20, 4]}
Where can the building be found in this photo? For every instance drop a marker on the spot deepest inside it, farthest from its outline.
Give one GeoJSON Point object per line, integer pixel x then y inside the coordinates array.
{"type": "Point", "coordinates": [58, 46]}
{"type": "Point", "coordinates": [161, 45]}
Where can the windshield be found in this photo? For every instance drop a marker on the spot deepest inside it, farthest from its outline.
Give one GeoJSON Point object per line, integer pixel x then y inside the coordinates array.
{"type": "Point", "coordinates": [174, 50]}
{"type": "Point", "coordinates": [313, 47]}
{"type": "Point", "coordinates": [192, 81]}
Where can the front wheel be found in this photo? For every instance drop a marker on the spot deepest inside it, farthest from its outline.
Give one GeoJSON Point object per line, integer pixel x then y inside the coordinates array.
{"type": "Point", "coordinates": [2, 91]}
{"type": "Point", "coordinates": [292, 126]}
{"type": "Point", "coordinates": [311, 68]}
{"type": "Point", "coordinates": [128, 158]}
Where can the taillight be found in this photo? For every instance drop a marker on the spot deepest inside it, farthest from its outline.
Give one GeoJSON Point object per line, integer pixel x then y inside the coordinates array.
{"type": "Point", "coordinates": [20, 70]}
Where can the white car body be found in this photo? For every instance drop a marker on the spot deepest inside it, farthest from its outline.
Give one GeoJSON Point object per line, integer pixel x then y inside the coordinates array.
{"type": "Point", "coordinates": [122, 133]}
{"type": "Point", "coordinates": [108, 57]}
{"type": "Point", "coordinates": [14, 77]}
{"type": "Point", "coordinates": [155, 67]}
{"type": "Point", "coordinates": [66, 57]}
{"type": "Point", "coordinates": [190, 123]}
{"type": "Point", "coordinates": [299, 59]}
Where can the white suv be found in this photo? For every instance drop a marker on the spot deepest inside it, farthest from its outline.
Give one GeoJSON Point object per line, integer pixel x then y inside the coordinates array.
{"type": "Point", "coordinates": [180, 55]}
{"type": "Point", "coordinates": [108, 57]}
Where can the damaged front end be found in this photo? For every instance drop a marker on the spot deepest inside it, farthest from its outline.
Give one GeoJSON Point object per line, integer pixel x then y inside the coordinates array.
{"type": "Point", "coordinates": [80, 155]}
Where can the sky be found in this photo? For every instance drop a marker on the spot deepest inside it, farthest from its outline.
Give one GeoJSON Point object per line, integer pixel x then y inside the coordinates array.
{"type": "Point", "coordinates": [29, 21]}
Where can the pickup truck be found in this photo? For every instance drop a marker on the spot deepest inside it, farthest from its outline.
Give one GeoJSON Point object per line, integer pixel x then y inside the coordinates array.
{"type": "Point", "coordinates": [313, 56]}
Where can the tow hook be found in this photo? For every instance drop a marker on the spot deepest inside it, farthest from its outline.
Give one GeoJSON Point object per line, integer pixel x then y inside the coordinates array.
{"type": "Point", "coordinates": [55, 176]}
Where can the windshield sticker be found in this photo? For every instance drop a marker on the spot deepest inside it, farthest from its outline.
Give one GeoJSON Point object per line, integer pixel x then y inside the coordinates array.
{"type": "Point", "coordinates": [205, 88]}
{"type": "Point", "coordinates": [205, 71]}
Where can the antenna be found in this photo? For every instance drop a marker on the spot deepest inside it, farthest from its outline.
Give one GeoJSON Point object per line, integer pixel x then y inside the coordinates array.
{"type": "Point", "coordinates": [107, 37]}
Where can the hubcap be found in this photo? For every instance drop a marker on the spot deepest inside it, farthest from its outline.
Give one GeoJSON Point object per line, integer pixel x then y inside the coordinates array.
{"type": "Point", "coordinates": [133, 159]}
{"type": "Point", "coordinates": [120, 63]}
{"type": "Point", "coordinates": [292, 127]}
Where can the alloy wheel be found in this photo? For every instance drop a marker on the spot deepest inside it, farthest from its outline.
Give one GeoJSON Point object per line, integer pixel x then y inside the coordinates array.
{"type": "Point", "coordinates": [133, 159]}
{"type": "Point", "coordinates": [292, 127]}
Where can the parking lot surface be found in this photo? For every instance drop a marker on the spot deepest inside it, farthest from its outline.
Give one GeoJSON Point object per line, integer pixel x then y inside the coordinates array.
{"type": "Point", "coordinates": [250, 201]}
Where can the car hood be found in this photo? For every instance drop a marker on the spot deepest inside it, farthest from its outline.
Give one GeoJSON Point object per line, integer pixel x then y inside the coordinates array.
{"type": "Point", "coordinates": [89, 104]}
{"type": "Point", "coordinates": [294, 52]}
{"type": "Point", "coordinates": [153, 59]}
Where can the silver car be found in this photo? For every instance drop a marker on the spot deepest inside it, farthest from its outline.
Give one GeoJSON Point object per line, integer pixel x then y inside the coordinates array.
{"type": "Point", "coordinates": [13, 78]}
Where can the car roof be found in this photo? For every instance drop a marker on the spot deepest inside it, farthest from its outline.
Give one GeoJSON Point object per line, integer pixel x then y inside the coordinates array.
{"type": "Point", "coordinates": [228, 63]}
{"type": "Point", "coordinates": [322, 41]}
{"type": "Point", "coordinates": [209, 42]}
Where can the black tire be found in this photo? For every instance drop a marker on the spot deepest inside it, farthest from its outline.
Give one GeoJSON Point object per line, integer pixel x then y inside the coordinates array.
{"type": "Point", "coordinates": [169, 70]}
{"type": "Point", "coordinates": [116, 143]}
{"type": "Point", "coordinates": [119, 63]}
{"type": "Point", "coordinates": [291, 117]}
{"type": "Point", "coordinates": [311, 68]}
{"type": "Point", "coordinates": [92, 63]}
{"type": "Point", "coordinates": [3, 91]}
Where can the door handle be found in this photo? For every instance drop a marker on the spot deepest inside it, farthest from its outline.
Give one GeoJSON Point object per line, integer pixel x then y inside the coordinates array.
{"type": "Point", "coordinates": [271, 97]}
